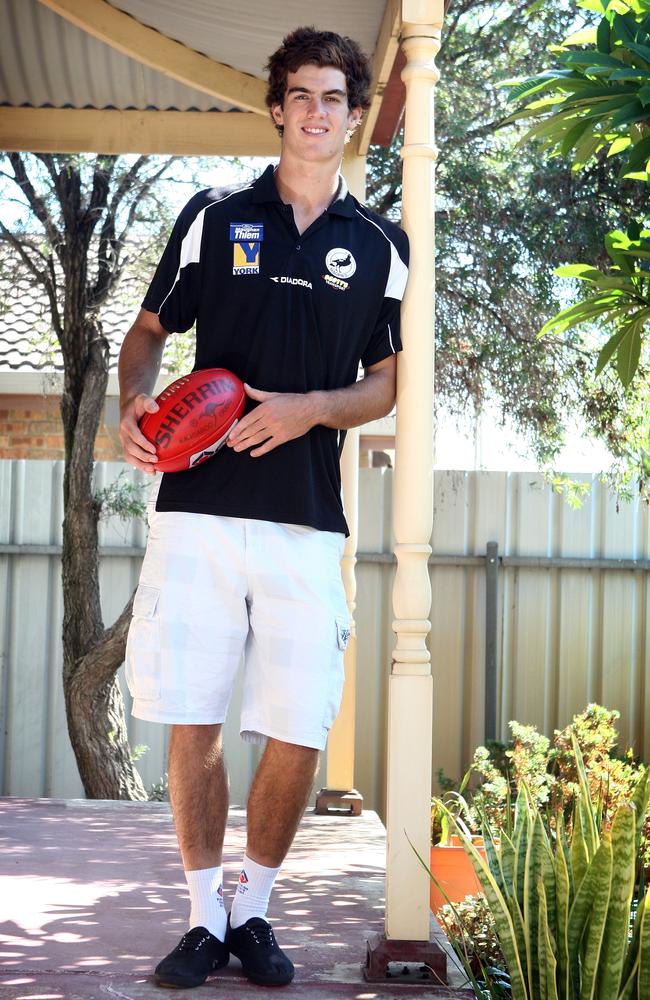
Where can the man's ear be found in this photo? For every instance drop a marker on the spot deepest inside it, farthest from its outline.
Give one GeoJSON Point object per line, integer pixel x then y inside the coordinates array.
{"type": "Point", "coordinates": [276, 112]}
{"type": "Point", "coordinates": [354, 118]}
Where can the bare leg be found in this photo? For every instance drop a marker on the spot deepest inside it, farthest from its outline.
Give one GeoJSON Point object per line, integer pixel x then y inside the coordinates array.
{"type": "Point", "coordinates": [198, 791]}
{"type": "Point", "coordinates": [277, 800]}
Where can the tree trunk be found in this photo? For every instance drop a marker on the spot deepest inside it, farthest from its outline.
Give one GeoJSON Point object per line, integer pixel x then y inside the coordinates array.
{"type": "Point", "coordinates": [91, 655]}
{"type": "Point", "coordinates": [96, 721]}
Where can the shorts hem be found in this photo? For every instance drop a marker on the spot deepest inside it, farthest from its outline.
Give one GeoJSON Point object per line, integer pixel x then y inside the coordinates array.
{"type": "Point", "coordinates": [149, 713]}
{"type": "Point", "coordinates": [250, 733]}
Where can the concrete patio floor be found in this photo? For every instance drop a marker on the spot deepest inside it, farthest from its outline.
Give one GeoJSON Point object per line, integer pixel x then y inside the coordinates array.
{"type": "Point", "coordinates": [92, 894]}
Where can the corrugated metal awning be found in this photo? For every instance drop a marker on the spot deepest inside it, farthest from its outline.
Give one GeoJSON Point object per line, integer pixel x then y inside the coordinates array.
{"type": "Point", "coordinates": [45, 61]}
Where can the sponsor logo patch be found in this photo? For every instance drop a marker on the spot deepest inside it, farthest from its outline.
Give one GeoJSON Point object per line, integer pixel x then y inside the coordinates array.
{"type": "Point", "coordinates": [283, 279]}
{"type": "Point", "coordinates": [336, 282]}
{"type": "Point", "coordinates": [246, 238]}
{"type": "Point", "coordinates": [340, 263]}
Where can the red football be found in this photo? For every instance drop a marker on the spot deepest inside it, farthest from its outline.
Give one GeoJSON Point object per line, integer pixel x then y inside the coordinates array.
{"type": "Point", "coordinates": [196, 414]}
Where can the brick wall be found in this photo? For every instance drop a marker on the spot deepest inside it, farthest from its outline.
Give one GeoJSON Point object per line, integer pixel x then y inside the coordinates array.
{"type": "Point", "coordinates": [30, 427]}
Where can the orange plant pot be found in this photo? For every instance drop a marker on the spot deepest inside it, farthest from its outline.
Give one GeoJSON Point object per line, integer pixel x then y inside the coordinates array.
{"type": "Point", "coordinates": [453, 870]}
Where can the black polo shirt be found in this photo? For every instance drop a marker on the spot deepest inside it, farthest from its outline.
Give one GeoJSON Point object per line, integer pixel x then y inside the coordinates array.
{"type": "Point", "coordinates": [286, 312]}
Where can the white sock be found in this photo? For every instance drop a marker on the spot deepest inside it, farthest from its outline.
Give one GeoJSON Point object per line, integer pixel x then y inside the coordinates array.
{"type": "Point", "coordinates": [252, 892]}
{"type": "Point", "coordinates": [206, 900]}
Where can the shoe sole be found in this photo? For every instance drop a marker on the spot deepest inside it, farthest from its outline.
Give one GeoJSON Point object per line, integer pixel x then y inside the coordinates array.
{"type": "Point", "coordinates": [259, 981]}
{"type": "Point", "coordinates": [167, 982]}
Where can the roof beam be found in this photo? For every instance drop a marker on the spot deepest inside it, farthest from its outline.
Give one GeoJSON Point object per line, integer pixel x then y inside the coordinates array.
{"type": "Point", "coordinates": [183, 133]}
{"type": "Point", "coordinates": [382, 64]}
{"type": "Point", "coordinates": [146, 45]}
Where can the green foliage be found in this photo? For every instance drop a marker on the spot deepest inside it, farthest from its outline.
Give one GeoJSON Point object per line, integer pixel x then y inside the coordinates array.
{"type": "Point", "coordinates": [159, 791]}
{"type": "Point", "coordinates": [550, 772]}
{"type": "Point", "coordinates": [122, 498]}
{"type": "Point", "coordinates": [504, 221]}
{"type": "Point", "coordinates": [593, 108]}
{"type": "Point", "coordinates": [470, 925]}
{"type": "Point", "coordinates": [573, 490]}
{"type": "Point", "coordinates": [563, 903]}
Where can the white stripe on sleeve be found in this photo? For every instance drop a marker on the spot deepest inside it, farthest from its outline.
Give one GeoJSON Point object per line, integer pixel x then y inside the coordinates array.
{"type": "Point", "coordinates": [191, 245]}
{"type": "Point", "coordinates": [398, 272]}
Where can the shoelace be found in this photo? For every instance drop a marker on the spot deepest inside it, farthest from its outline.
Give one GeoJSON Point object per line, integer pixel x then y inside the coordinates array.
{"type": "Point", "coordinates": [192, 940]}
{"type": "Point", "coordinates": [265, 932]}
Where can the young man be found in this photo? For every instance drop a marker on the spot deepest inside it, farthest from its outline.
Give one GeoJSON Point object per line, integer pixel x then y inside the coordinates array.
{"type": "Point", "coordinates": [291, 283]}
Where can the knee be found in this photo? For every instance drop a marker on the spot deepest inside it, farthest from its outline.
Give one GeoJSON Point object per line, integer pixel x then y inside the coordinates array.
{"type": "Point", "coordinates": [196, 741]}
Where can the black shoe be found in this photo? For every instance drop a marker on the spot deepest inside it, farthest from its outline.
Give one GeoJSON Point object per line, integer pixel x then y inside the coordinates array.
{"type": "Point", "coordinates": [197, 954]}
{"type": "Point", "coordinates": [262, 960]}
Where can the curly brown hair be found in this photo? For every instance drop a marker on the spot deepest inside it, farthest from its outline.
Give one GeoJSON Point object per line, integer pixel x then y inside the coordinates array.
{"type": "Point", "coordinates": [307, 46]}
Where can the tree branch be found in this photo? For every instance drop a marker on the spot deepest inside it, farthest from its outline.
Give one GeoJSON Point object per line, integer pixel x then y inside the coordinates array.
{"type": "Point", "coordinates": [36, 203]}
{"type": "Point", "coordinates": [48, 281]}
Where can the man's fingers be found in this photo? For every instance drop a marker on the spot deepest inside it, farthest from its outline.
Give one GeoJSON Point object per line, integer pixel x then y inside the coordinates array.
{"type": "Point", "coordinates": [258, 394]}
{"type": "Point", "coordinates": [150, 405]}
{"type": "Point", "coordinates": [255, 437]}
{"type": "Point", "coordinates": [142, 456]}
{"type": "Point", "coordinates": [144, 466]}
{"type": "Point", "coordinates": [245, 426]}
{"type": "Point", "coordinates": [268, 446]}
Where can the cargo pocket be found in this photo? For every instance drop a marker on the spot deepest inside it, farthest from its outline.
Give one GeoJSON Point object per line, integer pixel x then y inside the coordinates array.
{"type": "Point", "coordinates": [342, 633]}
{"type": "Point", "coordinates": [337, 678]}
{"type": "Point", "coordinates": [142, 664]}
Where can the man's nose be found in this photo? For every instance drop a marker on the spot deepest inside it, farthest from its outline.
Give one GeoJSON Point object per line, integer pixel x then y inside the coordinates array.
{"type": "Point", "coordinates": [316, 106]}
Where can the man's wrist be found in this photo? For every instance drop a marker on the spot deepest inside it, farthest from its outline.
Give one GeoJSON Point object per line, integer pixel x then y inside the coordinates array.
{"type": "Point", "coordinates": [318, 399]}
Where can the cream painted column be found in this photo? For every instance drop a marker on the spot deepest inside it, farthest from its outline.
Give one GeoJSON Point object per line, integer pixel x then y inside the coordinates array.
{"type": "Point", "coordinates": [410, 685]}
{"type": "Point", "coordinates": [340, 745]}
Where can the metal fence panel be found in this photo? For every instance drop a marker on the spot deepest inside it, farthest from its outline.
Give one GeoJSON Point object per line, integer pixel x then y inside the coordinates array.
{"type": "Point", "coordinates": [564, 636]}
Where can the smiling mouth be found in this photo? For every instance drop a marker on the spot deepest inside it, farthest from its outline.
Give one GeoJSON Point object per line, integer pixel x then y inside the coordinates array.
{"type": "Point", "coordinates": [314, 130]}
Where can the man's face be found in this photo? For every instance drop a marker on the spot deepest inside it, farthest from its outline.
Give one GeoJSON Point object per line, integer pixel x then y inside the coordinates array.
{"type": "Point", "coordinates": [315, 113]}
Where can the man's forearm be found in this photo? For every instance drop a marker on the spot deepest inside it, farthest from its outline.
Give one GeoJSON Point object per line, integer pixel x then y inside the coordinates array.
{"type": "Point", "coordinates": [139, 362]}
{"type": "Point", "coordinates": [372, 397]}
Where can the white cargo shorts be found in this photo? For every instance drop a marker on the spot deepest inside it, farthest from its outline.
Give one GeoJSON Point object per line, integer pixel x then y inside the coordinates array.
{"type": "Point", "coordinates": [213, 588]}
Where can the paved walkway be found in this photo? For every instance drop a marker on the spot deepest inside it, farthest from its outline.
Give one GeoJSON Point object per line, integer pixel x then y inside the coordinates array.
{"type": "Point", "coordinates": [93, 893]}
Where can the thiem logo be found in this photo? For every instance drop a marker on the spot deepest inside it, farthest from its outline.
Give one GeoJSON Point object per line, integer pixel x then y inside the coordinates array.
{"type": "Point", "coordinates": [246, 238]}
{"type": "Point", "coordinates": [251, 232]}
{"type": "Point", "coordinates": [282, 279]}
{"type": "Point", "coordinates": [340, 263]}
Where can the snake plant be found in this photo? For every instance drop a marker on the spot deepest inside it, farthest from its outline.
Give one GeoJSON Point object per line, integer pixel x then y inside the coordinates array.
{"type": "Point", "coordinates": [569, 923]}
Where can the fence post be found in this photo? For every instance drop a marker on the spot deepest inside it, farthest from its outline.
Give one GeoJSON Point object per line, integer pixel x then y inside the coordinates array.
{"type": "Point", "coordinates": [491, 602]}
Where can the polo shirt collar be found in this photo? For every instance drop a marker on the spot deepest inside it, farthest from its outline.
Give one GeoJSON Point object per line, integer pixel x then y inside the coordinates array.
{"type": "Point", "coordinates": [264, 190]}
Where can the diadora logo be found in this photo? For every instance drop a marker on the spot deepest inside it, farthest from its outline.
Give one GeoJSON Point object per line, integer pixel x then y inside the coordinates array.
{"type": "Point", "coordinates": [340, 263]}
{"type": "Point", "coordinates": [220, 891]}
{"type": "Point", "coordinates": [283, 279]}
{"type": "Point", "coordinates": [243, 878]}
{"type": "Point", "coordinates": [246, 238]}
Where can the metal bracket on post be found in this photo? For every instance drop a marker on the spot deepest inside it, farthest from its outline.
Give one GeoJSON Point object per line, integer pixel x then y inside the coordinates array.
{"type": "Point", "coordinates": [335, 802]}
{"type": "Point", "coordinates": [491, 604]}
{"type": "Point", "coordinates": [405, 961]}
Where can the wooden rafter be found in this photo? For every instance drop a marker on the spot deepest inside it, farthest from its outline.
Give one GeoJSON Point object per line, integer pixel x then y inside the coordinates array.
{"type": "Point", "coordinates": [184, 133]}
{"type": "Point", "coordinates": [382, 64]}
{"type": "Point", "coordinates": [148, 46]}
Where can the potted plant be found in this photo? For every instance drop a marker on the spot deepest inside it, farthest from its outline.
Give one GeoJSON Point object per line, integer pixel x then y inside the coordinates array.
{"type": "Point", "coordinates": [568, 902]}
{"type": "Point", "coordinates": [452, 873]}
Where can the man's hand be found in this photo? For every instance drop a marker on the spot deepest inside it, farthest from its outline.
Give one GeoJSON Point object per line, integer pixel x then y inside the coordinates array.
{"type": "Point", "coordinates": [137, 450]}
{"type": "Point", "coordinates": [280, 417]}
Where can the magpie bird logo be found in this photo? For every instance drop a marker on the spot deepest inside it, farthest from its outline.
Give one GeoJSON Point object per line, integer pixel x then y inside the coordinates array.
{"type": "Point", "coordinates": [340, 263]}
